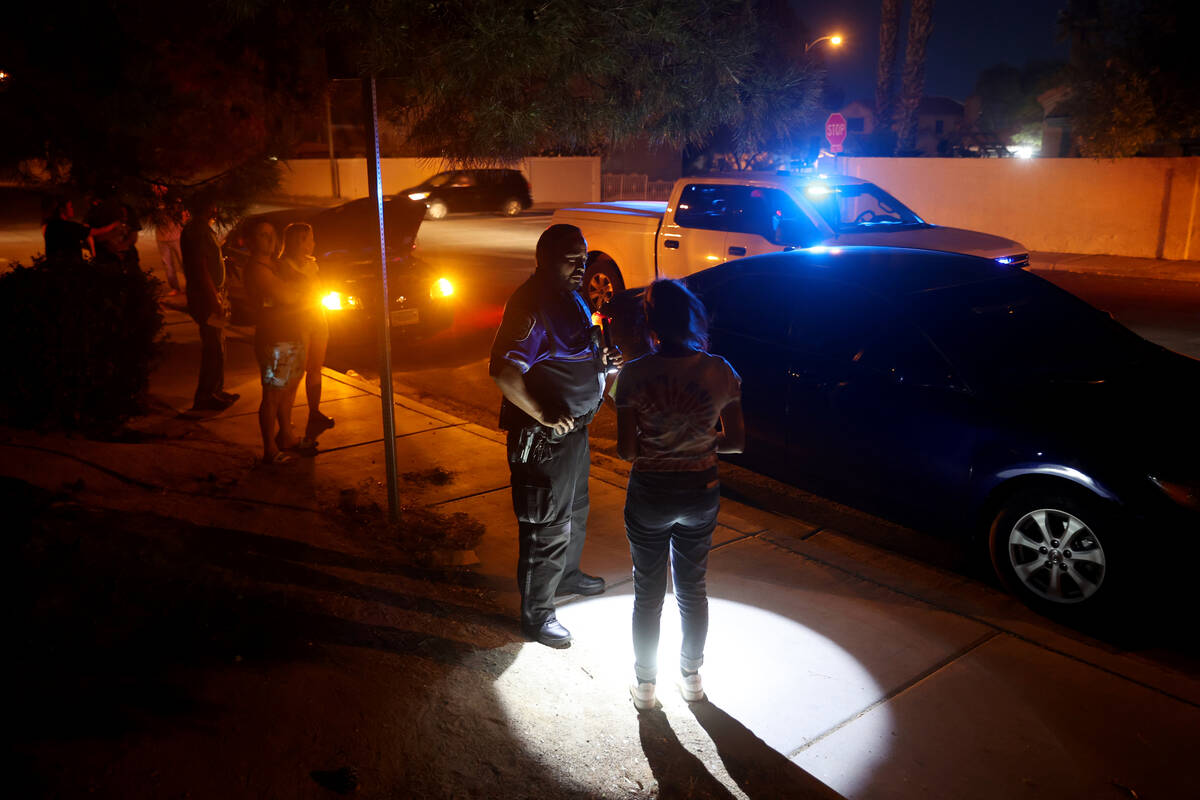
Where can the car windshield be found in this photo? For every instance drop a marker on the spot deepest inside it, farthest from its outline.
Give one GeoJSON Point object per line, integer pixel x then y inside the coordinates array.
{"type": "Point", "coordinates": [860, 207]}
{"type": "Point", "coordinates": [1020, 329]}
{"type": "Point", "coordinates": [441, 179]}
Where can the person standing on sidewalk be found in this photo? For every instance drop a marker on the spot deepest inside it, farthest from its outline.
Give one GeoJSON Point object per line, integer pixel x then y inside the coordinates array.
{"type": "Point", "coordinates": [169, 219]}
{"type": "Point", "coordinates": [204, 269]}
{"type": "Point", "coordinates": [297, 257]}
{"type": "Point", "coordinates": [280, 294]}
{"type": "Point", "coordinates": [550, 367]}
{"type": "Point", "coordinates": [669, 402]}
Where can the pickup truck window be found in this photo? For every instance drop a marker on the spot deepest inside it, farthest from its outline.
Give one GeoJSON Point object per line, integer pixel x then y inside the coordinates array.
{"type": "Point", "coordinates": [860, 207]}
{"type": "Point", "coordinates": [768, 212]}
{"type": "Point", "coordinates": [754, 210]}
{"type": "Point", "coordinates": [708, 207]}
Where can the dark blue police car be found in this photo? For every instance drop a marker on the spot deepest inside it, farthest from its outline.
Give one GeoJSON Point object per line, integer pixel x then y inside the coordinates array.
{"type": "Point", "coordinates": [953, 390]}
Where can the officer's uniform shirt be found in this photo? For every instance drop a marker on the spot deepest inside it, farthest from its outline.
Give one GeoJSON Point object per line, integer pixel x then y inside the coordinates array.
{"type": "Point", "coordinates": [546, 333]}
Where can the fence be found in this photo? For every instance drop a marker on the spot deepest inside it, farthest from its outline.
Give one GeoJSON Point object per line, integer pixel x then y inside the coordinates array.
{"type": "Point", "coordinates": [1147, 207]}
{"type": "Point", "coordinates": [553, 180]}
{"type": "Point", "coordinates": [618, 186]}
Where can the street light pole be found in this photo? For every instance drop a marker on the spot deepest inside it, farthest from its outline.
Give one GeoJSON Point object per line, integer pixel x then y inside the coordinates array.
{"type": "Point", "coordinates": [375, 182]}
{"type": "Point", "coordinates": [834, 39]}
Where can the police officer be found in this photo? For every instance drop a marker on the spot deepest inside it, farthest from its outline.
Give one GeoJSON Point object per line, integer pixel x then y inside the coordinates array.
{"type": "Point", "coordinates": [550, 367]}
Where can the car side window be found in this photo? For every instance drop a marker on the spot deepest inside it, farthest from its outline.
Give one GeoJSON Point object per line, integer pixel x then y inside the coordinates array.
{"type": "Point", "coordinates": [708, 207]}
{"type": "Point", "coordinates": [756, 306]}
{"type": "Point", "coordinates": [848, 326]}
{"type": "Point", "coordinates": [769, 212]}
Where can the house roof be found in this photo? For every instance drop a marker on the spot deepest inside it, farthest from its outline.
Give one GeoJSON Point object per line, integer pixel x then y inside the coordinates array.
{"type": "Point", "coordinates": [943, 106]}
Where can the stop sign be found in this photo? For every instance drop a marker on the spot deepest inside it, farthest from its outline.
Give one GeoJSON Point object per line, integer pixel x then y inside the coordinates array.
{"type": "Point", "coordinates": [835, 131]}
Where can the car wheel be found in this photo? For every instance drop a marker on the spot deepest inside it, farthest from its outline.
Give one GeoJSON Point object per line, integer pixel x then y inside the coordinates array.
{"type": "Point", "coordinates": [1056, 549]}
{"type": "Point", "coordinates": [436, 210]}
{"type": "Point", "coordinates": [601, 281]}
{"type": "Point", "coordinates": [511, 207]}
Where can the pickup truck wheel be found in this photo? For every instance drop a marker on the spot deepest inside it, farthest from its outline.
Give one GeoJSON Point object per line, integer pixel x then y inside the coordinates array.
{"type": "Point", "coordinates": [601, 281]}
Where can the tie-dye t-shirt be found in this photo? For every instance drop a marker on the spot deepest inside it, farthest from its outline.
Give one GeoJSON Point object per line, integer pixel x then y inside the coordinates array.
{"type": "Point", "coordinates": [677, 402]}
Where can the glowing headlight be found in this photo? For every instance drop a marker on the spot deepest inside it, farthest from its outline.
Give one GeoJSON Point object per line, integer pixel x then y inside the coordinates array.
{"type": "Point", "coordinates": [441, 288]}
{"type": "Point", "coordinates": [418, 195]}
{"type": "Point", "coordinates": [333, 301]}
{"type": "Point", "coordinates": [1005, 260]}
{"type": "Point", "coordinates": [817, 191]}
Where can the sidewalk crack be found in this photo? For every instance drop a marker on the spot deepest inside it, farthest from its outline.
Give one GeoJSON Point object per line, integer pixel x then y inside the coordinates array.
{"type": "Point", "coordinates": [899, 690]}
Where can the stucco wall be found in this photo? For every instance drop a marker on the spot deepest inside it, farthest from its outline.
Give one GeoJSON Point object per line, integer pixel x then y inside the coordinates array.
{"type": "Point", "coordinates": [1144, 207]}
{"type": "Point", "coordinates": [554, 180]}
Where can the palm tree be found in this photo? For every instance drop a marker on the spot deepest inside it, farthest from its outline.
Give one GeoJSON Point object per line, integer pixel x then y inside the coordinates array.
{"type": "Point", "coordinates": [885, 81]}
{"type": "Point", "coordinates": [920, 25]}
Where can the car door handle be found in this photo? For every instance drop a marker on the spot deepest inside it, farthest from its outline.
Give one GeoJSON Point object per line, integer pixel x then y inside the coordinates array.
{"type": "Point", "coordinates": [737, 251]}
{"type": "Point", "coordinates": [671, 243]}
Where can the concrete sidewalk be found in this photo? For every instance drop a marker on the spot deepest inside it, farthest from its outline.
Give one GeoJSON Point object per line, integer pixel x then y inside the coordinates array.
{"type": "Point", "coordinates": [1116, 266]}
{"type": "Point", "coordinates": [876, 675]}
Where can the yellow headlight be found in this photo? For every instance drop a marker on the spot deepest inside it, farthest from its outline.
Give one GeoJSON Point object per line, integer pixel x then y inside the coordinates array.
{"type": "Point", "coordinates": [332, 301]}
{"type": "Point", "coordinates": [418, 195]}
{"type": "Point", "coordinates": [441, 288]}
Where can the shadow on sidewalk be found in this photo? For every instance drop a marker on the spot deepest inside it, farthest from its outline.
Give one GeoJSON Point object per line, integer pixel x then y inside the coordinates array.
{"type": "Point", "coordinates": [147, 646]}
{"type": "Point", "coordinates": [680, 774]}
{"type": "Point", "coordinates": [758, 769]}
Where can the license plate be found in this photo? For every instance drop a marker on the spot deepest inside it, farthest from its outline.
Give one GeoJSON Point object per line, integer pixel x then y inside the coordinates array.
{"type": "Point", "coordinates": [406, 316]}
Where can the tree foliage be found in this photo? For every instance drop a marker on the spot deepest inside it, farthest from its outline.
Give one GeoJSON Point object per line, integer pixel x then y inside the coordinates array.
{"type": "Point", "coordinates": [81, 339]}
{"type": "Point", "coordinates": [1009, 106]}
{"type": "Point", "coordinates": [1133, 77]}
{"type": "Point", "coordinates": [201, 96]}
{"type": "Point", "coordinates": [121, 96]}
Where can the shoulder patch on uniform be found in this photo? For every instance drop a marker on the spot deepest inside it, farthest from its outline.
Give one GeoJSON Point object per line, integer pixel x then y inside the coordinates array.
{"type": "Point", "coordinates": [516, 327]}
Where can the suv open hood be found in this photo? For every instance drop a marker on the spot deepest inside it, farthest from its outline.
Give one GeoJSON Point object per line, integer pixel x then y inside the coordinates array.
{"type": "Point", "coordinates": [935, 237]}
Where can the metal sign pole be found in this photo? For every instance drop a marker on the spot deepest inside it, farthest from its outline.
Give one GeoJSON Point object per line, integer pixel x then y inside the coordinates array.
{"type": "Point", "coordinates": [375, 181]}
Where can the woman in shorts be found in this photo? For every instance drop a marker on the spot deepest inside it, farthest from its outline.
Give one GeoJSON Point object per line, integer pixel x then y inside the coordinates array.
{"type": "Point", "coordinates": [297, 257]}
{"type": "Point", "coordinates": [278, 341]}
{"type": "Point", "coordinates": [669, 403]}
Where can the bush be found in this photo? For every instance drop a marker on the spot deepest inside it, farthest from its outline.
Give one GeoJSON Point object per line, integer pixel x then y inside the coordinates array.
{"type": "Point", "coordinates": [81, 339]}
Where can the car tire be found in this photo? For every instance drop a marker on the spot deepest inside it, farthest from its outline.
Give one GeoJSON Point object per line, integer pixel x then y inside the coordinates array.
{"type": "Point", "coordinates": [1059, 549]}
{"type": "Point", "coordinates": [600, 282]}
{"type": "Point", "coordinates": [511, 207]}
{"type": "Point", "coordinates": [436, 210]}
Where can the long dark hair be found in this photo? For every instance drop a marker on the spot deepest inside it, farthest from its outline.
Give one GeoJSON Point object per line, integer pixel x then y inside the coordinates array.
{"type": "Point", "coordinates": [676, 316]}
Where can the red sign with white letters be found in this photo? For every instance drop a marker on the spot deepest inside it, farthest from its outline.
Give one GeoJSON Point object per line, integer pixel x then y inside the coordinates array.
{"type": "Point", "coordinates": [835, 131]}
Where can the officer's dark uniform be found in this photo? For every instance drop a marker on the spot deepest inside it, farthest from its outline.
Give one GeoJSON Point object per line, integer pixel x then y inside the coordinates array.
{"type": "Point", "coordinates": [547, 334]}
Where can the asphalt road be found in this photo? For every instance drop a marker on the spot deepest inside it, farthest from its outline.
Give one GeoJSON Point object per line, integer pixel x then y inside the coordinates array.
{"type": "Point", "coordinates": [488, 256]}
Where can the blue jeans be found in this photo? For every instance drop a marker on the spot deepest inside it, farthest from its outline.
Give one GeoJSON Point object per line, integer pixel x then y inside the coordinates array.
{"type": "Point", "coordinates": [675, 513]}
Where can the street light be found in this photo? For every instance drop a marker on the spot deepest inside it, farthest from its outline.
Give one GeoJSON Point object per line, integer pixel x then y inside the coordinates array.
{"type": "Point", "coordinates": [835, 39]}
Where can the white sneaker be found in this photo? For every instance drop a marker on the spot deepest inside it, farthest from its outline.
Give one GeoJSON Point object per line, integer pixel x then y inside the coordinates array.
{"type": "Point", "coordinates": [691, 688]}
{"type": "Point", "coordinates": [643, 696]}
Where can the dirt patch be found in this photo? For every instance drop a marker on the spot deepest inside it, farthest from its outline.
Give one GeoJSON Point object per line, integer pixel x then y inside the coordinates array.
{"type": "Point", "coordinates": [437, 476]}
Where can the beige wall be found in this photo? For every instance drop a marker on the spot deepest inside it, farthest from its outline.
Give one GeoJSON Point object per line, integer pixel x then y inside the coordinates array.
{"type": "Point", "coordinates": [554, 180]}
{"type": "Point", "coordinates": [1143, 207]}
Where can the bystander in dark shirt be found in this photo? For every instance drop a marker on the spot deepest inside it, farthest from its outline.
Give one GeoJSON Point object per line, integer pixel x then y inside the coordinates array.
{"type": "Point", "coordinates": [201, 253]}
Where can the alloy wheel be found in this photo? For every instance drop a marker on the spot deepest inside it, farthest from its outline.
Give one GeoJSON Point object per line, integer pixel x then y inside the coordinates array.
{"type": "Point", "coordinates": [599, 290]}
{"type": "Point", "coordinates": [1056, 556]}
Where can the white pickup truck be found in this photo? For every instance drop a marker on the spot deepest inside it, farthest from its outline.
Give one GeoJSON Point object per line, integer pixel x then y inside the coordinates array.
{"type": "Point", "coordinates": [710, 219]}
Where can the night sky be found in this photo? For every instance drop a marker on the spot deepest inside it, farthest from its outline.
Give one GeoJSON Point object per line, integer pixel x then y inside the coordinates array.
{"type": "Point", "coordinates": [968, 36]}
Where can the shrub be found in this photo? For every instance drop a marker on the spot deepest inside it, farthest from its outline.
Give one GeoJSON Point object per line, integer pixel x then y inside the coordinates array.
{"type": "Point", "coordinates": [81, 339]}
